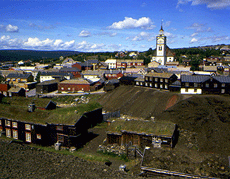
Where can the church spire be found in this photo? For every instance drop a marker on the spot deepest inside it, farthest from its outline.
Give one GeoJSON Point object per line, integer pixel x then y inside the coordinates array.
{"type": "Point", "coordinates": [161, 30]}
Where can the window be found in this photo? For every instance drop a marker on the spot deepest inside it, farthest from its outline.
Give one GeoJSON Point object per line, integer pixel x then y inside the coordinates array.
{"type": "Point", "coordinates": [28, 127]}
{"type": "Point", "coordinates": [8, 123]}
{"type": "Point", "coordinates": [15, 134]}
{"type": "Point", "coordinates": [166, 86]}
{"type": "Point", "coordinates": [8, 133]}
{"type": "Point", "coordinates": [222, 90]}
{"type": "Point", "coordinates": [215, 85]}
{"type": "Point", "coordinates": [223, 85]}
{"type": "Point", "coordinates": [150, 84]}
{"type": "Point", "coordinates": [146, 84]}
{"type": "Point", "coordinates": [69, 89]}
{"type": "Point", "coordinates": [60, 138]}
{"type": "Point", "coordinates": [207, 85]}
{"type": "Point", "coordinates": [161, 80]}
{"type": "Point", "coordinates": [137, 83]}
{"type": "Point", "coordinates": [195, 90]}
{"type": "Point", "coordinates": [39, 136]}
{"type": "Point", "coordinates": [186, 84]}
{"type": "Point", "coordinates": [195, 85]}
{"type": "Point", "coordinates": [59, 128]}
{"type": "Point", "coordinates": [146, 78]}
{"type": "Point", "coordinates": [135, 140]}
{"type": "Point", "coordinates": [166, 80]}
{"type": "Point", "coordinates": [28, 137]}
{"type": "Point", "coordinates": [151, 79]}
{"type": "Point", "coordinates": [161, 86]}
{"type": "Point", "coordinates": [156, 79]}
{"type": "Point", "coordinates": [156, 85]}
{"type": "Point", "coordinates": [186, 89]}
{"type": "Point", "coordinates": [62, 88]}
{"type": "Point", "coordinates": [15, 124]}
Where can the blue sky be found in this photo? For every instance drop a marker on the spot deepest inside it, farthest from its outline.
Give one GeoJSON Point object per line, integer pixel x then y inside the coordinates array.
{"type": "Point", "coordinates": [112, 25]}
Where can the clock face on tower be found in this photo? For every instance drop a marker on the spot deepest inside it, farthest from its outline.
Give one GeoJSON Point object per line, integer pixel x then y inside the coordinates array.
{"type": "Point", "coordinates": [160, 41]}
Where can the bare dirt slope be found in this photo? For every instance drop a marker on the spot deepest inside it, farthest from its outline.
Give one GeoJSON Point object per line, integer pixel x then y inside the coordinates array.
{"type": "Point", "coordinates": [138, 101]}
{"type": "Point", "coordinates": [206, 116]}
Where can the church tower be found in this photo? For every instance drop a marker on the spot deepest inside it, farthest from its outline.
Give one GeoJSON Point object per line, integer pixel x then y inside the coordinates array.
{"type": "Point", "coordinates": [161, 47]}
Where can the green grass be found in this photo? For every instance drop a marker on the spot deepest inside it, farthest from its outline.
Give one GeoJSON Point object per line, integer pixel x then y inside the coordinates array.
{"type": "Point", "coordinates": [16, 108]}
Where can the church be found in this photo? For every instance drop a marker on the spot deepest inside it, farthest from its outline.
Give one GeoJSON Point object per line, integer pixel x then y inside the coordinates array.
{"type": "Point", "coordinates": [163, 52]}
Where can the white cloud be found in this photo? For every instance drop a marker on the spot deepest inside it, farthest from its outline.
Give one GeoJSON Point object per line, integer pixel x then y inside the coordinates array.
{"type": "Point", "coordinates": [129, 23]}
{"type": "Point", "coordinates": [142, 36]}
{"type": "Point", "coordinates": [212, 4]}
{"type": "Point", "coordinates": [40, 27]}
{"type": "Point", "coordinates": [88, 47]}
{"type": "Point", "coordinates": [194, 34]}
{"type": "Point", "coordinates": [84, 33]}
{"type": "Point", "coordinates": [167, 24]}
{"type": "Point", "coordinates": [111, 34]}
{"type": "Point", "coordinates": [193, 40]}
{"type": "Point", "coordinates": [9, 28]}
{"type": "Point", "coordinates": [199, 27]}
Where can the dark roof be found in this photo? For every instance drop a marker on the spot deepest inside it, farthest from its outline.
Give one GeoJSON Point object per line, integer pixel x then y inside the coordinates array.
{"type": "Point", "coordinates": [18, 75]}
{"type": "Point", "coordinates": [222, 79]}
{"type": "Point", "coordinates": [73, 69]}
{"type": "Point", "coordinates": [54, 74]}
{"type": "Point", "coordinates": [194, 78]}
{"type": "Point", "coordinates": [176, 83]}
{"type": "Point", "coordinates": [48, 82]}
{"type": "Point", "coordinates": [85, 64]}
{"type": "Point", "coordinates": [93, 61]}
{"type": "Point", "coordinates": [112, 81]}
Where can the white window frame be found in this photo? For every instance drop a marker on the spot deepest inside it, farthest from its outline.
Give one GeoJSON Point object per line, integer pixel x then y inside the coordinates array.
{"type": "Point", "coordinates": [15, 134]}
{"type": "Point", "coordinates": [156, 85]}
{"type": "Point", "coordinates": [8, 123]}
{"type": "Point", "coordinates": [14, 124]}
{"type": "Point", "coordinates": [0, 122]}
{"type": "Point", "coordinates": [28, 137]}
{"type": "Point", "coordinates": [28, 127]}
{"type": "Point", "coordinates": [8, 133]}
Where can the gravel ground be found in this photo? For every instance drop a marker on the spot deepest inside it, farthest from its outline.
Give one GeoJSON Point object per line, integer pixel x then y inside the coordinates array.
{"type": "Point", "coordinates": [24, 161]}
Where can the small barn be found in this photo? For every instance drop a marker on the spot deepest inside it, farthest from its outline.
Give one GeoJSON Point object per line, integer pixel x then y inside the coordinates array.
{"type": "Point", "coordinates": [142, 133]}
{"type": "Point", "coordinates": [16, 91]}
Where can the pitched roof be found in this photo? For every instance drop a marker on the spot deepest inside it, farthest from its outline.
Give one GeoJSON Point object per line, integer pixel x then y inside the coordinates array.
{"type": "Point", "coordinates": [72, 69]}
{"type": "Point", "coordinates": [142, 127]}
{"type": "Point", "coordinates": [54, 74]}
{"type": "Point", "coordinates": [160, 75]}
{"type": "Point", "coordinates": [75, 81]}
{"type": "Point", "coordinates": [18, 75]}
{"type": "Point", "coordinates": [194, 78]}
{"type": "Point", "coordinates": [15, 89]}
{"type": "Point", "coordinates": [222, 79]}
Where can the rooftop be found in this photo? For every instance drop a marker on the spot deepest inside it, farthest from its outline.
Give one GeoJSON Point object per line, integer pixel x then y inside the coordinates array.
{"type": "Point", "coordinates": [142, 127]}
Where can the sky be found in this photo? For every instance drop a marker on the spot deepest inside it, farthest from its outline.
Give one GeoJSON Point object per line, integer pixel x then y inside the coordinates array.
{"type": "Point", "coordinates": [112, 25]}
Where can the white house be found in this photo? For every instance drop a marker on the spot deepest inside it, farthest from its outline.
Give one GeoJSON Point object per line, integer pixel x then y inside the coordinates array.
{"type": "Point", "coordinates": [112, 63]}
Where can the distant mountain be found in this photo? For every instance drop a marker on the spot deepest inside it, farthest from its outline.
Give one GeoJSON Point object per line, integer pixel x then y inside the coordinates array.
{"type": "Point", "coordinates": [17, 55]}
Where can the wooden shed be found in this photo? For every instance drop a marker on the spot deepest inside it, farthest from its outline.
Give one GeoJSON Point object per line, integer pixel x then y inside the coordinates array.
{"type": "Point", "coordinates": [142, 133]}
